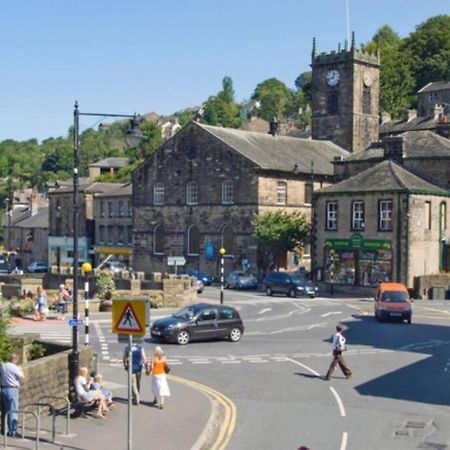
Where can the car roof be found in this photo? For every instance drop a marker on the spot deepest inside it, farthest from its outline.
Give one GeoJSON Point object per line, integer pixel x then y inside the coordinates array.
{"type": "Point", "coordinates": [207, 305]}
{"type": "Point", "coordinates": [392, 287]}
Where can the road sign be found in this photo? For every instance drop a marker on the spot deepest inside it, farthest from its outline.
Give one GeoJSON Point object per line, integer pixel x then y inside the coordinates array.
{"type": "Point", "coordinates": [176, 261]}
{"type": "Point", "coordinates": [129, 317]}
{"type": "Point", "coordinates": [75, 322]}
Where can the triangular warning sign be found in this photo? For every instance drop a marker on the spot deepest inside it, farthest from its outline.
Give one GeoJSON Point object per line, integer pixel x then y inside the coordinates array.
{"type": "Point", "coordinates": [129, 321]}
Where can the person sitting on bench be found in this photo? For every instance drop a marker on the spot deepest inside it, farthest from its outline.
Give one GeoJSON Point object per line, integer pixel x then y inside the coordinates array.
{"type": "Point", "coordinates": [82, 388]}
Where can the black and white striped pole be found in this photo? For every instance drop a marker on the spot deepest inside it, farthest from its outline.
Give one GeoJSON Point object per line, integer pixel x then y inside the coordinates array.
{"type": "Point", "coordinates": [222, 252]}
{"type": "Point", "coordinates": [86, 268]}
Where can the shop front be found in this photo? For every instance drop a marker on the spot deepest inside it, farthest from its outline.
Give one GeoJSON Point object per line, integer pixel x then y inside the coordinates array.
{"type": "Point", "coordinates": [357, 261]}
{"type": "Point", "coordinates": [122, 254]}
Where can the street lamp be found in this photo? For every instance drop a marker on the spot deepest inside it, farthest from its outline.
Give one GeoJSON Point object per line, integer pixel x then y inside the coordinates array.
{"type": "Point", "coordinates": [86, 268]}
{"type": "Point", "coordinates": [133, 137]}
{"type": "Point", "coordinates": [222, 252]}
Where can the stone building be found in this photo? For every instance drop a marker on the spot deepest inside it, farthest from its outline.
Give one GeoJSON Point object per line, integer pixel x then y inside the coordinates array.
{"type": "Point", "coordinates": [113, 213]}
{"type": "Point", "coordinates": [107, 166]}
{"type": "Point", "coordinates": [345, 97]}
{"type": "Point", "coordinates": [385, 223]}
{"type": "Point", "coordinates": [200, 190]}
{"type": "Point", "coordinates": [436, 93]}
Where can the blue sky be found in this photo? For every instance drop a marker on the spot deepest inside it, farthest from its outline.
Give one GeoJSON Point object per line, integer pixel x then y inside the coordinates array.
{"type": "Point", "coordinates": [126, 56]}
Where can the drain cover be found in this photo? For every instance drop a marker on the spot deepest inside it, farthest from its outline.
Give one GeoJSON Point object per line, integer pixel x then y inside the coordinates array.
{"type": "Point", "coordinates": [402, 433]}
{"type": "Point", "coordinates": [417, 425]}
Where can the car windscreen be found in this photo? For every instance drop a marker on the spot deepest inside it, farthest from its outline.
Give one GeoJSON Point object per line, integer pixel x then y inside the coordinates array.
{"type": "Point", "coordinates": [187, 313]}
{"type": "Point", "coordinates": [394, 297]}
{"type": "Point", "coordinates": [298, 279]}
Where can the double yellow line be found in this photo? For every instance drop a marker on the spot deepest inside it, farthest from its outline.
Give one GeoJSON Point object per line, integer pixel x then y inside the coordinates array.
{"type": "Point", "coordinates": [228, 422]}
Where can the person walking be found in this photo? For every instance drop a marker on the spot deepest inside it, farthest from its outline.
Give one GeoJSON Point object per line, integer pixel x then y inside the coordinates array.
{"type": "Point", "coordinates": [138, 359]}
{"type": "Point", "coordinates": [159, 369]}
{"type": "Point", "coordinates": [63, 297]}
{"type": "Point", "coordinates": [40, 307]}
{"type": "Point", "coordinates": [11, 375]}
{"type": "Point", "coordinates": [338, 347]}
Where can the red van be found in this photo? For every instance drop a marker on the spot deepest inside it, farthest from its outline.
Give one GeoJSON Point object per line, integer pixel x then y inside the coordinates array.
{"type": "Point", "coordinates": [392, 301]}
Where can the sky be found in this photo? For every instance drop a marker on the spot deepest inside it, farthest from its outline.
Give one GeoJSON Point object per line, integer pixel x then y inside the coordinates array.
{"type": "Point", "coordinates": [127, 56]}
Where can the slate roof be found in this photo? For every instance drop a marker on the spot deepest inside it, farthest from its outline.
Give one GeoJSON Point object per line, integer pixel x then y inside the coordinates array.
{"type": "Point", "coordinates": [416, 144]}
{"type": "Point", "coordinates": [387, 176]}
{"type": "Point", "coordinates": [435, 86]}
{"type": "Point", "coordinates": [17, 215]}
{"type": "Point", "coordinates": [111, 162]}
{"type": "Point", "coordinates": [125, 189]}
{"type": "Point", "coordinates": [279, 152]}
{"type": "Point", "coordinates": [400, 126]}
{"type": "Point", "coordinates": [39, 220]}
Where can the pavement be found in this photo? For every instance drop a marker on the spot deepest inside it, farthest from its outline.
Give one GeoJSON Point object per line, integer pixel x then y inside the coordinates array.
{"type": "Point", "coordinates": [194, 417]}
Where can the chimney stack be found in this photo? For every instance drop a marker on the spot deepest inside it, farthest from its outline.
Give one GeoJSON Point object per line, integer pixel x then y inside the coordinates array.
{"type": "Point", "coordinates": [274, 126]}
{"type": "Point", "coordinates": [393, 148]}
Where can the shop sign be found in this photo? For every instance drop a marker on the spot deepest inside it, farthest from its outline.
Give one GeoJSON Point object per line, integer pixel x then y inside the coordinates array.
{"type": "Point", "coordinates": [357, 241]}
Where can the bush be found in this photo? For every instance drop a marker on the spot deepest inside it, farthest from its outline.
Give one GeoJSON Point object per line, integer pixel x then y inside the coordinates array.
{"type": "Point", "coordinates": [36, 351]}
{"type": "Point", "coordinates": [6, 343]}
{"type": "Point", "coordinates": [21, 307]}
{"type": "Point", "coordinates": [105, 286]}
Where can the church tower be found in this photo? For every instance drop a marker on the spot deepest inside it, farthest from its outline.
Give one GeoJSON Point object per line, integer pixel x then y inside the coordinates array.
{"type": "Point", "coordinates": [345, 97]}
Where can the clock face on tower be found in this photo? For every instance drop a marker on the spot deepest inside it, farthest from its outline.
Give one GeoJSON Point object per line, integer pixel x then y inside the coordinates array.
{"type": "Point", "coordinates": [333, 77]}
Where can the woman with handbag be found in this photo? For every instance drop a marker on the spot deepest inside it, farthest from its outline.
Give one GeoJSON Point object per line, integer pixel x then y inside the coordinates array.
{"type": "Point", "coordinates": [159, 368]}
{"type": "Point", "coordinates": [338, 348]}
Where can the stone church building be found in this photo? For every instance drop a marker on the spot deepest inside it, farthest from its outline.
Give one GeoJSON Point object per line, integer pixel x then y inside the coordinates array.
{"type": "Point", "coordinates": [201, 189]}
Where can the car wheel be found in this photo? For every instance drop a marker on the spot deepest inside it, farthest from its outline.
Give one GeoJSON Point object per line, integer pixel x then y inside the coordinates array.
{"type": "Point", "coordinates": [183, 337]}
{"type": "Point", "coordinates": [268, 291]}
{"type": "Point", "coordinates": [409, 320]}
{"type": "Point", "coordinates": [312, 296]}
{"type": "Point", "coordinates": [292, 293]}
{"type": "Point", "coordinates": [235, 334]}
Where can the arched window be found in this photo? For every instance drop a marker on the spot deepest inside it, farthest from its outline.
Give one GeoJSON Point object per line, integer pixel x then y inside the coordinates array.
{"type": "Point", "coordinates": [191, 193]}
{"type": "Point", "coordinates": [159, 237]}
{"type": "Point", "coordinates": [228, 239]}
{"type": "Point", "coordinates": [193, 240]}
{"type": "Point", "coordinates": [227, 192]}
{"type": "Point", "coordinates": [158, 194]}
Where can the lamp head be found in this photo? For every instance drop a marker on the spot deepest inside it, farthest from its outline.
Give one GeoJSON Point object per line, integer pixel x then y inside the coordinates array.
{"type": "Point", "coordinates": [222, 251]}
{"type": "Point", "coordinates": [134, 136]}
{"type": "Point", "coordinates": [86, 267]}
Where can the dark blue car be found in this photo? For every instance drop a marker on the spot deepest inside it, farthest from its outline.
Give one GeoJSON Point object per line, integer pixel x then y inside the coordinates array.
{"type": "Point", "coordinates": [206, 279]}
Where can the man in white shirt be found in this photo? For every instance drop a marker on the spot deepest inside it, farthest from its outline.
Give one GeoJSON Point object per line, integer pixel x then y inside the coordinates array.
{"type": "Point", "coordinates": [10, 377]}
{"type": "Point", "coordinates": [338, 348]}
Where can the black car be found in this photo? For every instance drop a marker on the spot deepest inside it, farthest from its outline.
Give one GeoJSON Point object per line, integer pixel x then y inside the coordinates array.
{"type": "Point", "coordinates": [200, 321]}
{"type": "Point", "coordinates": [290, 284]}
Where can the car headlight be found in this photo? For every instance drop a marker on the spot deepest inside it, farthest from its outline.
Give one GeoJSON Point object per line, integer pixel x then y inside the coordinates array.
{"type": "Point", "coordinates": [171, 326]}
{"type": "Point", "coordinates": [381, 307]}
{"type": "Point", "coordinates": [300, 288]}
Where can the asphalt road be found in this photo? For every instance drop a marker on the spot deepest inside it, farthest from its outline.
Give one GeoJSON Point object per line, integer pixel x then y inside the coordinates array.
{"type": "Point", "coordinates": [398, 398]}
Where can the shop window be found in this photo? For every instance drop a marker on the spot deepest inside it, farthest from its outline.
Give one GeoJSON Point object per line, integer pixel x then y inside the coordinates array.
{"type": "Point", "coordinates": [428, 215]}
{"type": "Point", "coordinates": [357, 215]}
{"type": "Point", "coordinates": [159, 236]}
{"type": "Point", "coordinates": [227, 192]}
{"type": "Point", "coordinates": [385, 215]}
{"type": "Point", "coordinates": [281, 193]}
{"type": "Point", "coordinates": [374, 267]}
{"type": "Point", "coordinates": [228, 240]}
{"type": "Point", "coordinates": [158, 194]}
{"type": "Point", "coordinates": [193, 241]}
{"type": "Point", "coordinates": [331, 216]}
{"type": "Point", "coordinates": [191, 193]}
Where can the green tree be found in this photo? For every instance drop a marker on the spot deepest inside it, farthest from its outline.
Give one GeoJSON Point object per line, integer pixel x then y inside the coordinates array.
{"type": "Point", "coordinates": [279, 231]}
{"type": "Point", "coordinates": [276, 99]}
{"type": "Point", "coordinates": [429, 50]}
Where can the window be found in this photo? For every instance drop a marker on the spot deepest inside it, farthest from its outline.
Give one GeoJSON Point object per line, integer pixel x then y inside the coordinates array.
{"type": "Point", "coordinates": [228, 240]}
{"type": "Point", "coordinates": [331, 216]}
{"type": "Point", "coordinates": [193, 241]}
{"type": "Point", "coordinates": [357, 215]}
{"type": "Point", "coordinates": [225, 313]}
{"type": "Point", "coordinates": [159, 236]}
{"type": "Point", "coordinates": [102, 208]}
{"type": "Point", "coordinates": [207, 314]}
{"type": "Point", "coordinates": [110, 209]}
{"type": "Point", "coordinates": [158, 194]}
{"type": "Point", "coordinates": [130, 209]}
{"type": "Point", "coordinates": [281, 193]}
{"type": "Point", "coordinates": [385, 215]}
{"type": "Point", "coordinates": [366, 100]}
{"type": "Point", "coordinates": [120, 234]}
{"type": "Point", "coordinates": [308, 193]}
{"type": "Point", "coordinates": [121, 209]}
{"type": "Point", "coordinates": [443, 216]}
{"type": "Point", "coordinates": [332, 103]}
{"type": "Point", "coordinates": [191, 193]}
{"type": "Point", "coordinates": [110, 234]}
{"type": "Point", "coordinates": [227, 192]}
{"type": "Point", "coordinates": [129, 235]}
{"type": "Point", "coordinates": [428, 215]}
{"type": "Point", "coordinates": [102, 233]}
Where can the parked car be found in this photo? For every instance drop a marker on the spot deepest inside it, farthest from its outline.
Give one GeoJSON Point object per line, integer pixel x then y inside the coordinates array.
{"type": "Point", "coordinates": [392, 301]}
{"type": "Point", "coordinates": [241, 280]}
{"type": "Point", "coordinates": [207, 279]}
{"type": "Point", "coordinates": [115, 266]}
{"type": "Point", "coordinates": [290, 284]}
{"type": "Point", "coordinates": [200, 321]}
{"type": "Point", "coordinates": [200, 286]}
{"type": "Point", "coordinates": [37, 266]}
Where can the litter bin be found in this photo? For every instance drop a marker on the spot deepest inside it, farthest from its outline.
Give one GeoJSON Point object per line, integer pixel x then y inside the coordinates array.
{"type": "Point", "coordinates": [438, 293]}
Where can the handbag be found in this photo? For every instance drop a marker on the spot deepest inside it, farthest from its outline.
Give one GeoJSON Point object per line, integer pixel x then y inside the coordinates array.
{"type": "Point", "coordinates": [166, 368]}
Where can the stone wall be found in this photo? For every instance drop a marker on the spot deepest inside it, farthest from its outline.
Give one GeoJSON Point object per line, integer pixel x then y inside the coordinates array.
{"type": "Point", "coordinates": [425, 287]}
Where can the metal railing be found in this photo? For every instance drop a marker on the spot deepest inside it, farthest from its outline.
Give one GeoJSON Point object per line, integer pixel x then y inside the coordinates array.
{"type": "Point", "coordinates": [66, 400]}
{"type": "Point", "coordinates": [23, 412]}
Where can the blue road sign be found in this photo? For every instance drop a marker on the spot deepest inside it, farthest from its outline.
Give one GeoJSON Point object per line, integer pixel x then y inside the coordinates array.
{"type": "Point", "coordinates": [75, 322]}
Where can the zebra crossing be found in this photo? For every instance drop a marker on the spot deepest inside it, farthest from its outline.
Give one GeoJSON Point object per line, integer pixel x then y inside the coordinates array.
{"type": "Point", "coordinates": [48, 330]}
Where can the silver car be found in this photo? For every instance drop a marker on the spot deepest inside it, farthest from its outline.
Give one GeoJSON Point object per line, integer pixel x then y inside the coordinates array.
{"type": "Point", "coordinates": [241, 280]}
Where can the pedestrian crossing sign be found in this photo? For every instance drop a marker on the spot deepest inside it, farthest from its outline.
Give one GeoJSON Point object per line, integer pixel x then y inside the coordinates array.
{"type": "Point", "coordinates": [129, 317]}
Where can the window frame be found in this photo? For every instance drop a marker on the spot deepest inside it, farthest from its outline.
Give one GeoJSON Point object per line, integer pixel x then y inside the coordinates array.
{"type": "Point", "coordinates": [381, 212]}
{"type": "Point", "coordinates": [354, 213]}
{"type": "Point", "coordinates": [192, 193]}
{"type": "Point", "coordinates": [328, 214]}
{"type": "Point", "coordinates": [189, 231]}
{"type": "Point", "coordinates": [159, 247]}
{"type": "Point", "coordinates": [158, 194]}
{"type": "Point", "coordinates": [281, 192]}
{"type": "Point", "coordinates": [227, 192]}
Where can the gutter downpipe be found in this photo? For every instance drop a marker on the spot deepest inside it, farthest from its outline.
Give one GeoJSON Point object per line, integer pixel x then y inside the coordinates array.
{"type": "Point", "coordinates": [399, 228]}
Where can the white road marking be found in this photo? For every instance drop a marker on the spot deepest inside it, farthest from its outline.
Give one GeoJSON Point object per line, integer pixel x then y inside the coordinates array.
{"type": "Point", "coordinates": [304, 366]}
{"type": "Point", "coordinates": [339, 402]}
{"type": "Point", "coordinates": [331, 313]}
{"type": "Point", "coordinates": [344, 441]}
{"type": "Point", "coordinates": [265, 310]}
{"type": "Point", "coordinates": [232, 362]}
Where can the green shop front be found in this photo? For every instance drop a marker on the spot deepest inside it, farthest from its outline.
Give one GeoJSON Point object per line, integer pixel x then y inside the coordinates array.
{"type": "Point", "coordinates": [357, 261]}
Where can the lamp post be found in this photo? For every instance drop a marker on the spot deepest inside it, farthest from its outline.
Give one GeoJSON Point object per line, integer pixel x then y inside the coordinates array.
{"type": "Point", "coordinates": [222, 252]}
{"type": "Point", "coordinates": [134, 136]}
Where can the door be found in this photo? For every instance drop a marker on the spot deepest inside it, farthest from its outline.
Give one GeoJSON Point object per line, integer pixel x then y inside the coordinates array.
{"type": "Point", "coordinates": [206, 327]}
{"type": "Point", "coordinates": [226, 320]}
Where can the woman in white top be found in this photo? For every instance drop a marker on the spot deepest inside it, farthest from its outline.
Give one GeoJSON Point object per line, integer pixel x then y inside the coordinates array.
{"type": "Point", "coordinates": [338, 359]}
{"type": "Point", "coordinates": [82, 388]}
